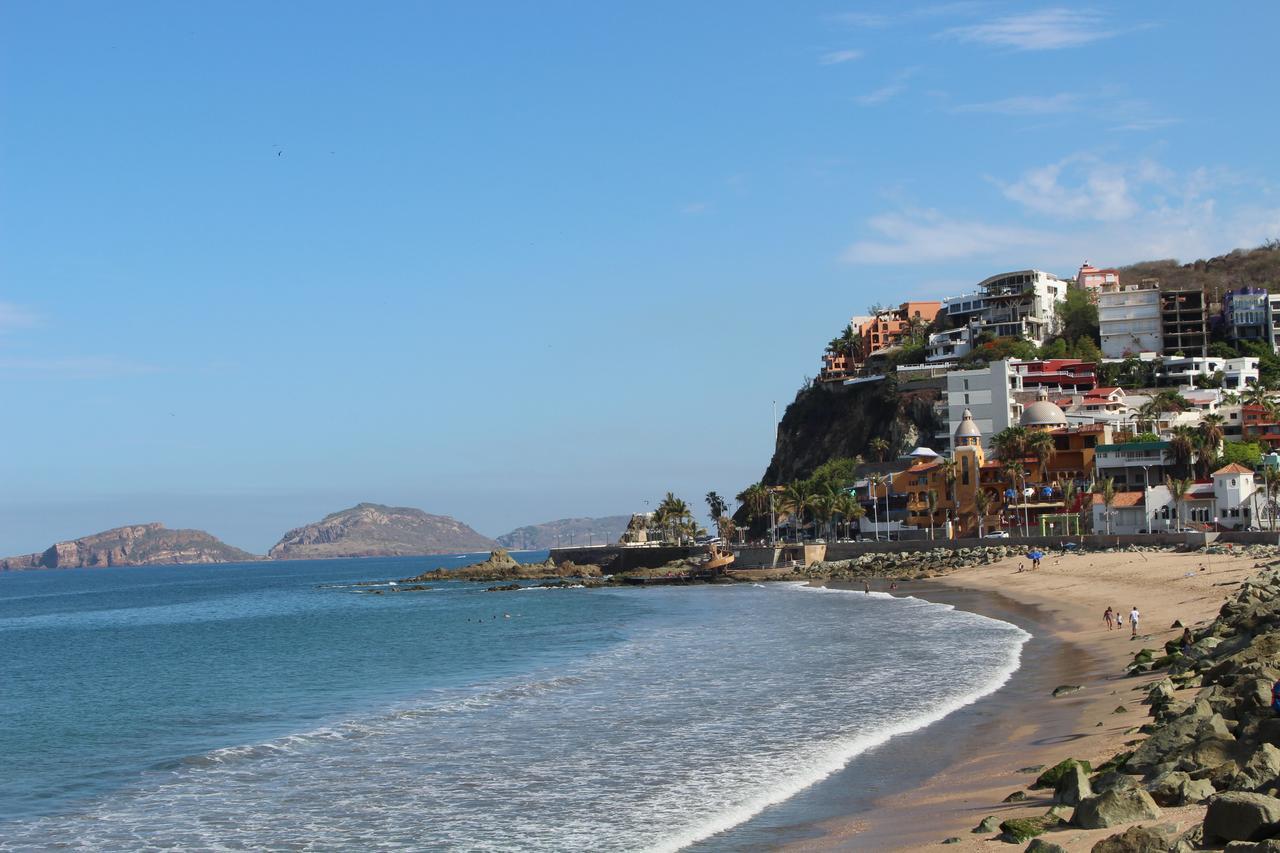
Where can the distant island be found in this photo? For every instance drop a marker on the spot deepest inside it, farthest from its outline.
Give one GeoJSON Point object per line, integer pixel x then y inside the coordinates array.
{"type": "Point", "coordinates": [374, 530]}
{"type": "Point", "coordinates": [135, 545]}
{"type": "Point", "coordinates": [566, 531]}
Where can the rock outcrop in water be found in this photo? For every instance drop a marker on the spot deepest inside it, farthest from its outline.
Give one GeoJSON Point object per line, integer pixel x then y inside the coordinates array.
{"type": "Point", "coordinates": [135, 545]}
{"type": "Point", "coordinates": [374, 530]}
{"type": "Point", "coordinates": [502, 567]}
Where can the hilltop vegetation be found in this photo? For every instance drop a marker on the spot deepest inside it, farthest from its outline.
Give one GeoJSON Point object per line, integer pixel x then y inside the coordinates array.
{"type": "Point", "coordinates": [1259, 267]}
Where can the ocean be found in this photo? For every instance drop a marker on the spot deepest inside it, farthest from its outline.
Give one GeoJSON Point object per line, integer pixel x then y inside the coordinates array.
{"type": "Point", "coordinates": [279, 706]}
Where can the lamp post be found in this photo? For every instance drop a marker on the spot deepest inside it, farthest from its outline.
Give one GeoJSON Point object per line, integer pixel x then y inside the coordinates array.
{"type": "Point", "coordinates": [1146, 498]}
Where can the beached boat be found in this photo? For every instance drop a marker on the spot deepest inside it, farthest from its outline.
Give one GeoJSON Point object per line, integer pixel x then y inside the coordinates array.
{"type": "Point", "coordinates": [718, 559]}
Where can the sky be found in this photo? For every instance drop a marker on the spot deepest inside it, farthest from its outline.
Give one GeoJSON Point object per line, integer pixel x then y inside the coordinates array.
{"type": "Point", "coordinates": [513, 262]}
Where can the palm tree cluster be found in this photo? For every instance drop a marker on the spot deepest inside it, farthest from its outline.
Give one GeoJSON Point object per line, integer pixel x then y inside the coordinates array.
{"type": "Point", "coordinates": [825, 503]}
{"type": "Point", "coordinates": [673, 516]}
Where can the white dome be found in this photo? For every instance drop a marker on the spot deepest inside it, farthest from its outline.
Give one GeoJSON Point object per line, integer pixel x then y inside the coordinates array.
{"type": "Point", "coordinates": [967, 428]}
{"type": "Point", "coordinates": [1043, 413]}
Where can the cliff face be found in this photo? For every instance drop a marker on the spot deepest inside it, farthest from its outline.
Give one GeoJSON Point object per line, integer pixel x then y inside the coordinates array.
{"type": "Point", "coordinates": [566, 531]}
{"type": "Point", "coordinates": [824, 423]}
{"type": "Point", "coordinates": [136, 545]}
{"type": "Point", "coordinates": [373, 530]}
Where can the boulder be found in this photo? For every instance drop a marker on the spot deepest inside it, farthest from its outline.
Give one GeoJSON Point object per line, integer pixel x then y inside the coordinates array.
{"type": "Point", "coordinates": [1019, 829]}
{"type": "Point", "coordinates": [1115, 807]}
{"type": "Point", "coordinates": [1260, 771]}
{"type": "Point", "coordinates": [1112, 781]}
{"type": "Point", "coordinates": [1015, 797]}
{"type": "Point", "coordinates": [1039, 845]}
{"type": "Point", "coordinates": [1137, 839]}
{"type": "Point", "coordinates": [1073, 786]}
{"type": "Point", "coordinates": [1241, 816]}
{"type": "Point", "coordinates": [1066, 690]}
{"type": "Point", "coordinates": [1050, 777]}
{"type": "Point", "coordinates": [988, 825]}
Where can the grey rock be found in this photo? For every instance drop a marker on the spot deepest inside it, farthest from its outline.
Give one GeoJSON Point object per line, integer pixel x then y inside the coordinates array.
{"type": "Point", "coordinates": [1260, 771]}
{"type": "Point", "coordinates": [1039, 845]}
{"type": "Point", "coordinates": [1066, 690]}
{"type": "Point", "coordinates": [989, 824]}
{"type": "Point", "coordinates": [1112, 781]}
{"type": "Point", "coordinates": [1138, 839]}
{"type": "Point", "coordinates": [1115, 807]}
{"type": "Point", "coordinates": [1073, 786]}
{"type": "Point", "coordinates": [1241, 816]}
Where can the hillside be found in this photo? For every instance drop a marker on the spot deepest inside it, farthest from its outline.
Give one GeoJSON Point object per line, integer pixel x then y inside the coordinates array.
{"type": "Point", "coordinates": [566, 531]}
{"type": "Point", "coordinates": [136, 545]}
{"type": "Point", "coordinates": [825, 423]}
{"type": "Point", "coordinates": [1258, 267]}
{"type": "Point", "coordinates": [374, 530]}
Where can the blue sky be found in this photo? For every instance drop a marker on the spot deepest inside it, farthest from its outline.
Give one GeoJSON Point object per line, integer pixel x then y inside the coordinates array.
{"type": "Point", "coordinates": [514, 261]}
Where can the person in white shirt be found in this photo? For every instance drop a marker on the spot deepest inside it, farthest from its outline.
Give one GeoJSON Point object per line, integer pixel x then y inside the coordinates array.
{"type": "Point", "coordinates": [1134, 616]}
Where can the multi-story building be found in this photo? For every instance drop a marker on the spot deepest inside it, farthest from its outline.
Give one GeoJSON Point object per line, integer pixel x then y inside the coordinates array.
{"type": "Point", "coordinates": [1011, 305]}
{"type": "Point", "coordinates": [1135, 464]}
{"type": "Point", "coordinates": [1184, 322]}
{"type": "Point", "coordinates": [988, 394]}
{"type": "Point", "coordinates": [1093, 281]}
{"type": "Point", "coordinates": [835, 366]}
{"type": "Point", "coordinates": [1236, 373]}
{"type": "Point", "coordinates": [1247, 315]}
{"type": "Point", "coordinates": [888, 328]}
{"type": "Point", "coordinates": [1129, 319]}
{"type": "Point", "coordinates": [1064, 374]}
{"type": "Point", "coordinates": [949, 345]}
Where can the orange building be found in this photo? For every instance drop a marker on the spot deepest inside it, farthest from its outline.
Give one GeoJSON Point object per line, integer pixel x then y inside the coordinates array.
{"type": "Point", "coordinates": [890, 327]}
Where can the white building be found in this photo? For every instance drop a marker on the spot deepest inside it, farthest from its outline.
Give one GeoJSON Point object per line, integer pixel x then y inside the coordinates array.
{"type": "Point", "coordinates": [989, 393]}
{"type": "Point", "coordinates": [1233, 491]}
{"type": "Point", "coordinates": [949, 345]}
{"type": "Point", "coordinates": [1129, 320]}
{"type": "Point", "coordinates": [1017, 304]}
{"type": "Point", "coordinates": [1237, 373]}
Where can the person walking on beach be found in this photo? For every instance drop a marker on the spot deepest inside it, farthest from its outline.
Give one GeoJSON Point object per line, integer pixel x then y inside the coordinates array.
{"type": "Point", "coordinates": [1109, 617]}
{"type": "Point", "coordinates": [866, 587]}
{"type": "Point", "coordinates": [1134, 616]}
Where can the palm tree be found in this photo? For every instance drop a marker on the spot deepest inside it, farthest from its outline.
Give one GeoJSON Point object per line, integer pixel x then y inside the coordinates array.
{"type": "Point", "coordinates": [823, 506]}
{"type": "Point", "coordinates": [931, 500]}
{"type": "Point", "coordinates": [1182, 446]}
{"type": "Point", "coordinates": [879, 447]}
{"type": "Point", "coordinates": [1256, 395]}
{"type": "Point", "coordinates": [1108, 498]}
{"type": "Point", "coordinates": [673, 512]}
{"type": "Point", "coordinates": [950, 474]}
{"type": "Point", "coordinates": [755, 498]}
{"type": "Point", "coordinates": [716, 505]}
{"type": "Point", "coordinates": [982, 501]}
{"type": "Point", "coordinates": [1010, 443]}
{"type": "Point", "coordinates": [793, 501]}
{"type": "Point", "coordinates": [1040, 445]}
{"type": "Point", "coordinates": [1178, 489]}
{"type": "Point", "coordinates": [1211, 433]}
{"type": "Point", "coordinates": [848, 508]}
{"type": "Point", "coordinates": [1149, 414]}
{"type": "Point", "coordinates": [1015, 471]}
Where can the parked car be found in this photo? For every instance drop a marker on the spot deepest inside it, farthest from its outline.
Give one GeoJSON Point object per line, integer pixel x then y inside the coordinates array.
{"type": "Point", "coordinates": [997, 534]}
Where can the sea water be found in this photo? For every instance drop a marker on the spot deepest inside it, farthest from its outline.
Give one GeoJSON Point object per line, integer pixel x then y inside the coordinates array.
{"type": "Point", "coordinates": [280, 705]}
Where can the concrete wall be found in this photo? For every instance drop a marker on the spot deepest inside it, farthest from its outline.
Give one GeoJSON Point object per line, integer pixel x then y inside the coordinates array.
{"type": "Point", "coordinates": [614, 558]}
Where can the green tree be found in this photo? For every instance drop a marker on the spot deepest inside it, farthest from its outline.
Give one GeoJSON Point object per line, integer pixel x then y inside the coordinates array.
{"type": "Point", "coordinates": [1077, 315]}
{"type": "Point", "coordinates": [756, 500]}
{"type": "Point", "coordinates": [982, 502]}
{"type": "Point", "coordinates": [1178, 488]}
{"type": "Point", "coordinates": [1108, 498]}
{"type": "Point", "coordinates": [879, 447]}
{"type": "Point", "coordinates": [1182, 447]}
{"type": "Point", "coordinates": [716, 505]}
{"type": "Point", "coordinates": [1247, 453]}
{"type": "Point", "coordinates": [931, 501]}
{"type": "Point", "coordinates": [1011, 442]}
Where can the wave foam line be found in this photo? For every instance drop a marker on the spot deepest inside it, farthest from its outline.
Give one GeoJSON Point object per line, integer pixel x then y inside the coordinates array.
{"type": "Point", "coordinates": [841, 754]}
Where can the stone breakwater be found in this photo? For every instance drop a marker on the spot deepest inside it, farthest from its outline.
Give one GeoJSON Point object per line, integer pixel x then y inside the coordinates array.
{"type": "Point", "coordinates": [1212, 741]}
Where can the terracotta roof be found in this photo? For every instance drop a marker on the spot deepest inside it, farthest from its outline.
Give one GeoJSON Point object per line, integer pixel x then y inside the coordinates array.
{"type": "Point", "coordinates": [1233, 468]}
{"type": "Point", "coordinates": [1123, 499]}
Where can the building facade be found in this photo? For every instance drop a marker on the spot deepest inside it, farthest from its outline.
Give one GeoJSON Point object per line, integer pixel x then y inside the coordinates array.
{"type": "Point", "coordinates": [1129, 320]}
{"type": "Point", "coordinates": [889, 328]}
{"type": "Point", "coordinates": [1184, 322]}
{"type": "Point", "coordinates": [1019, 304]}
{"type": "Point", "coordinates": [1094, 281]}
{"type": "Point", "coordinates": [989, 395]}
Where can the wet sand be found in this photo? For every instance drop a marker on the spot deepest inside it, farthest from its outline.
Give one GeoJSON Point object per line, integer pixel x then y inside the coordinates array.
{"type": "Point", "coordinates": [982, 748]}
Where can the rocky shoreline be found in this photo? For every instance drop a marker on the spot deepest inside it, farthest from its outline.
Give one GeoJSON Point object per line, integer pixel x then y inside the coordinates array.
{"type": "Point", "coordinates": [1212, 741]}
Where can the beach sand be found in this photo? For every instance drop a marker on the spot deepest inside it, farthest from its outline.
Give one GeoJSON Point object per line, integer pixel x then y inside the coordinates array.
{"type": "Point", "coordinates": [1061, 605]}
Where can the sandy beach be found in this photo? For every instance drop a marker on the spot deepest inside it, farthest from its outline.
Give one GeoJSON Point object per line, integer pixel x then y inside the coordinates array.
{"type": "Point", "coordinates": [1061, 605]}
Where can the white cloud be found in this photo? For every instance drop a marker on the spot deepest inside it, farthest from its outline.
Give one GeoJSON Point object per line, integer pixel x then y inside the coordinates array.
{"type": "Point", "coordinates": [928, 236]}
{"type": "Point", "coordinates": [16, 317]}
{"type": "Point", "coordinates": [895, 87]}
{"type": "Point", "coordinates": [1048, 29]}
{"type": "Point", "coordinates": [1026, 105]}
{"type": "Point", "coordinates": [838, 57]}
{"type": "Point", "coordinates": [693, 208]}
{"type": "Point", "coordinates": [1096, 189]}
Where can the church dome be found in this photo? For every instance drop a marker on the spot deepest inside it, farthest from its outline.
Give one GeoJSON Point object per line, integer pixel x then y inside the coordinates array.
{"type": "Point", "coordinates": [1042, 413]}
{"type": "Point", "coordinates": [967, 428]}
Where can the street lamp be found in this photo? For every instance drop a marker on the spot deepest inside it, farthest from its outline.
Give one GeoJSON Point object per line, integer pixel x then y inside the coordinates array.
{"type": "Point", "coordinates": [1146, 498]}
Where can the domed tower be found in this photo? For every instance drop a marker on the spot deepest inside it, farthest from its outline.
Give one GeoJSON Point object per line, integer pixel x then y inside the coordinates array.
{"type": "Point", "coordinates": [967, 451]}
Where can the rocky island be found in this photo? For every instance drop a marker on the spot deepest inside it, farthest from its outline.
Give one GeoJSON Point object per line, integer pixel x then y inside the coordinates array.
{"type": "Point", "coordinates": [566, 531]}
{"type": "Point", "coordinates": [134, 545]}
{"type": "Point", "coordinates": [374, 530]}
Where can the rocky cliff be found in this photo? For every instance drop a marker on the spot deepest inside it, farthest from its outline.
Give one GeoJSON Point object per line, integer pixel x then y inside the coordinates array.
{"type": "Point", "coordinates": [373, 530]}
{"type": "Point", "coordinates": [825, 422]}
{"type": "Point", "coordinates": [566, 531]}
{"type": "Point", "coordinates": [136, 545]}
